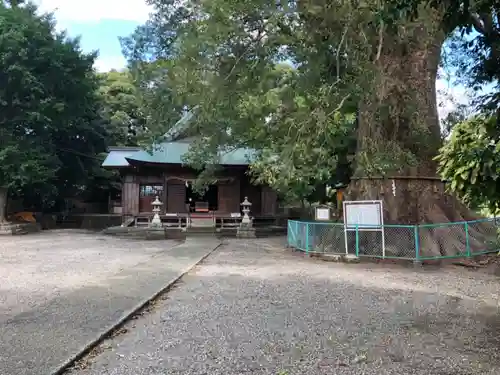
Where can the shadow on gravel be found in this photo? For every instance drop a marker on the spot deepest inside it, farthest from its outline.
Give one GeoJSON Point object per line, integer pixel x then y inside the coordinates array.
{"type": "Point", "coordinates": [37, 340]}
{"type": "Point", "coordinates": [40, 339]}
{"type": "Point", "coordinates": [271, 316]}
{"type": "Point", "coordinates": [320, 324]}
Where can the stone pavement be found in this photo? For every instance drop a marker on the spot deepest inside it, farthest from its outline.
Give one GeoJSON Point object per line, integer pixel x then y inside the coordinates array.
{"type": "Point", "coordinates": [40, 339]}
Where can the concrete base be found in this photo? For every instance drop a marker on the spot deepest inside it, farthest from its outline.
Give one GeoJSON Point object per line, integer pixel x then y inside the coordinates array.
{"type": "Point", "coordinates": [349, 258]}
{"type": "Point", "coordinates": [246, 230]}
{"type": "Point", "coordinates": [246, 233]}
{"type": "Point", "coordinates": [14, 229]}
{"type": "Point", "coordinates": [86, 221]}
{"type": "Point", "coordinates": [143, 233]}
{"type": "Point", "coordinates": [181, 233]}
{"type": "Point", "coordinates": [331, 257]}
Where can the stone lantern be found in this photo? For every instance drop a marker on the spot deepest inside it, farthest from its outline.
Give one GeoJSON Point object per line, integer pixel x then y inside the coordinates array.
{"type": "Point", "coordinates": [245, 230]}
{"type": "Point", "coordinates": [156, 222]}
{"type": "Point", "coordinates": [246, 210]}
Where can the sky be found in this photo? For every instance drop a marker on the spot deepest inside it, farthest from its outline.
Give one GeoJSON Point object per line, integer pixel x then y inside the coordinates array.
{"type": "Point", "coordinates": [100, 23]}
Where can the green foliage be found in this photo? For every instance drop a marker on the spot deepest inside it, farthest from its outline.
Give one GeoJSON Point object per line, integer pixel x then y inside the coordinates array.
{"type": "Point", "coordinates": [121, 108]}
{"type": "Point", "coordinates": [49, 123]}
{"type": "Point", "coordinates": [474, 53]}
{"type": "Point", "coordinates": [160, 105]}
{"type": "Point", "coordinates": [25, 164]}
{"type": "Point", "coordinates": [470, 158]}
{"type": "Point", "coordinates": [263, 77]}
{"type": "Point", "coordinates": [149, 51]}
{"type": "Point", "coordinates": [470, 161]}
{"type": "Point", "coordinates": [284, 79]}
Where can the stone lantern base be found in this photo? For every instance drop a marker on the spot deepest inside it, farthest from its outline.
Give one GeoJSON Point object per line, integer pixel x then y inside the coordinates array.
{"type": "Point", "coordinates": [245, 231]}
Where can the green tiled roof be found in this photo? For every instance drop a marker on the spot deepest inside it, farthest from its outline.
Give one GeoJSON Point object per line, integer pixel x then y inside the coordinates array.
{"type": "Point", "coordinates": [172, 153]}
{"type": "Point", "coordinates": [173, 149]}
{"type": "Point", "coordinates": [116, 156]}
{"type": "Point", "coordinates": [181, 126]}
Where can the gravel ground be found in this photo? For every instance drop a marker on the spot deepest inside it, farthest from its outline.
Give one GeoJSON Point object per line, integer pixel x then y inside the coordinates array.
{"type": "Point", "coordinates": [252, 308]}
{"type": "Point", "coordinates": [36, 268]}
{"type": "Point", "coordinates": [60, 290]}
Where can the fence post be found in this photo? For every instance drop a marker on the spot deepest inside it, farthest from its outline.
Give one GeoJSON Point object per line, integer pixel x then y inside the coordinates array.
{"type": "Point", "coordinates": [307, 238]}
{"type": "Point", "coordinates": [288, 234]}
{"type": "Point", "coordinates": [467, 243]}
{"type": "Point", "coordinates": [297, 234]}
{"type": "Point", "coordinates": [357, 241]}
{"type": "Point", "coordinates": [417, 243]}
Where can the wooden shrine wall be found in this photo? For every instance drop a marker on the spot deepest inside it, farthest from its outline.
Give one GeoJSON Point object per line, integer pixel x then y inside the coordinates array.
{"type": "Point", "coordinates": [231, 192]}
{"type": "Point", "coordinates": [229, 196]}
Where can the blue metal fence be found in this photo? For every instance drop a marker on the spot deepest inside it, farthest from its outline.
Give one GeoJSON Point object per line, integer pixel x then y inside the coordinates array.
{"type": "Point", "coordinates": [411, 242]}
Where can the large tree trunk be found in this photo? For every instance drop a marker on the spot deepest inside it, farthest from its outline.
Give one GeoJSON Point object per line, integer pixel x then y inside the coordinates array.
{"type": "Point", "coordinates": [399, 135]}
{"type": "Point", "coordinates": [3, 204]}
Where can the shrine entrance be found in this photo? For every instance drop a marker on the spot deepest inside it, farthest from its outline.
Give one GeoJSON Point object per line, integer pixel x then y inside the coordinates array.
{"type": "Point", "coordinates": [202, 203]}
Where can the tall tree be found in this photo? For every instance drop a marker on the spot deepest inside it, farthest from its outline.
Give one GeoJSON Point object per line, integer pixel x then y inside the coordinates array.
{"type": "Point", "coordinates": [242, 106]}
{"type": "Point", "coordinates": [149, 51]}
{"type": "Point", "coordinates": [49, 124]}
{"type": "Point", "coordinates": [376, 61]}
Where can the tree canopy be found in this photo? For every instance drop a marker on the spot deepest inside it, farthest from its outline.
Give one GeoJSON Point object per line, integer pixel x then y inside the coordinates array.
{"type": "Point", "coordinates": [121, 108]}
{"type": "Point", "coordinates": [49, 122]}
{"type": "Point", "coordinates": [251, 91]}
{"type": "Point", "coordinates": [288, 79]}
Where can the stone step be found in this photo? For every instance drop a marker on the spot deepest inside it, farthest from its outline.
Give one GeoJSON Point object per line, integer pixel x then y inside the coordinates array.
{"type": "Point", "coordinates": [141, 221]}
{"type": "Point", "coordinates": [128, 222]}
{"type": "Point", "coordinates": [202, 223]}
{"type": "Point", "coordinates": [201, 234]}
{"type": "Point", "coordinates": [207, 229]}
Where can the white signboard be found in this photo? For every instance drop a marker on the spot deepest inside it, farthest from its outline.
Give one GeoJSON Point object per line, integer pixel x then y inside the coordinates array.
{"type": "Point", "coordinates": [363, 216]}
{"type": "Point", "coordinates": [322, 213]}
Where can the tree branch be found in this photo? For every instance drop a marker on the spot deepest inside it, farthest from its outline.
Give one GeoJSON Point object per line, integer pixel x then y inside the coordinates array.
{"type": "Point", "coordinates": [380, 41]}
{"type": "Point", "coordinates": [477, 23]}
{"type": "Point", "coordinates": [259, 37]}
{"type": "Point", "coordinates": [339, 49]}
{"type": "Point", "coordinates": [483, 24]}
